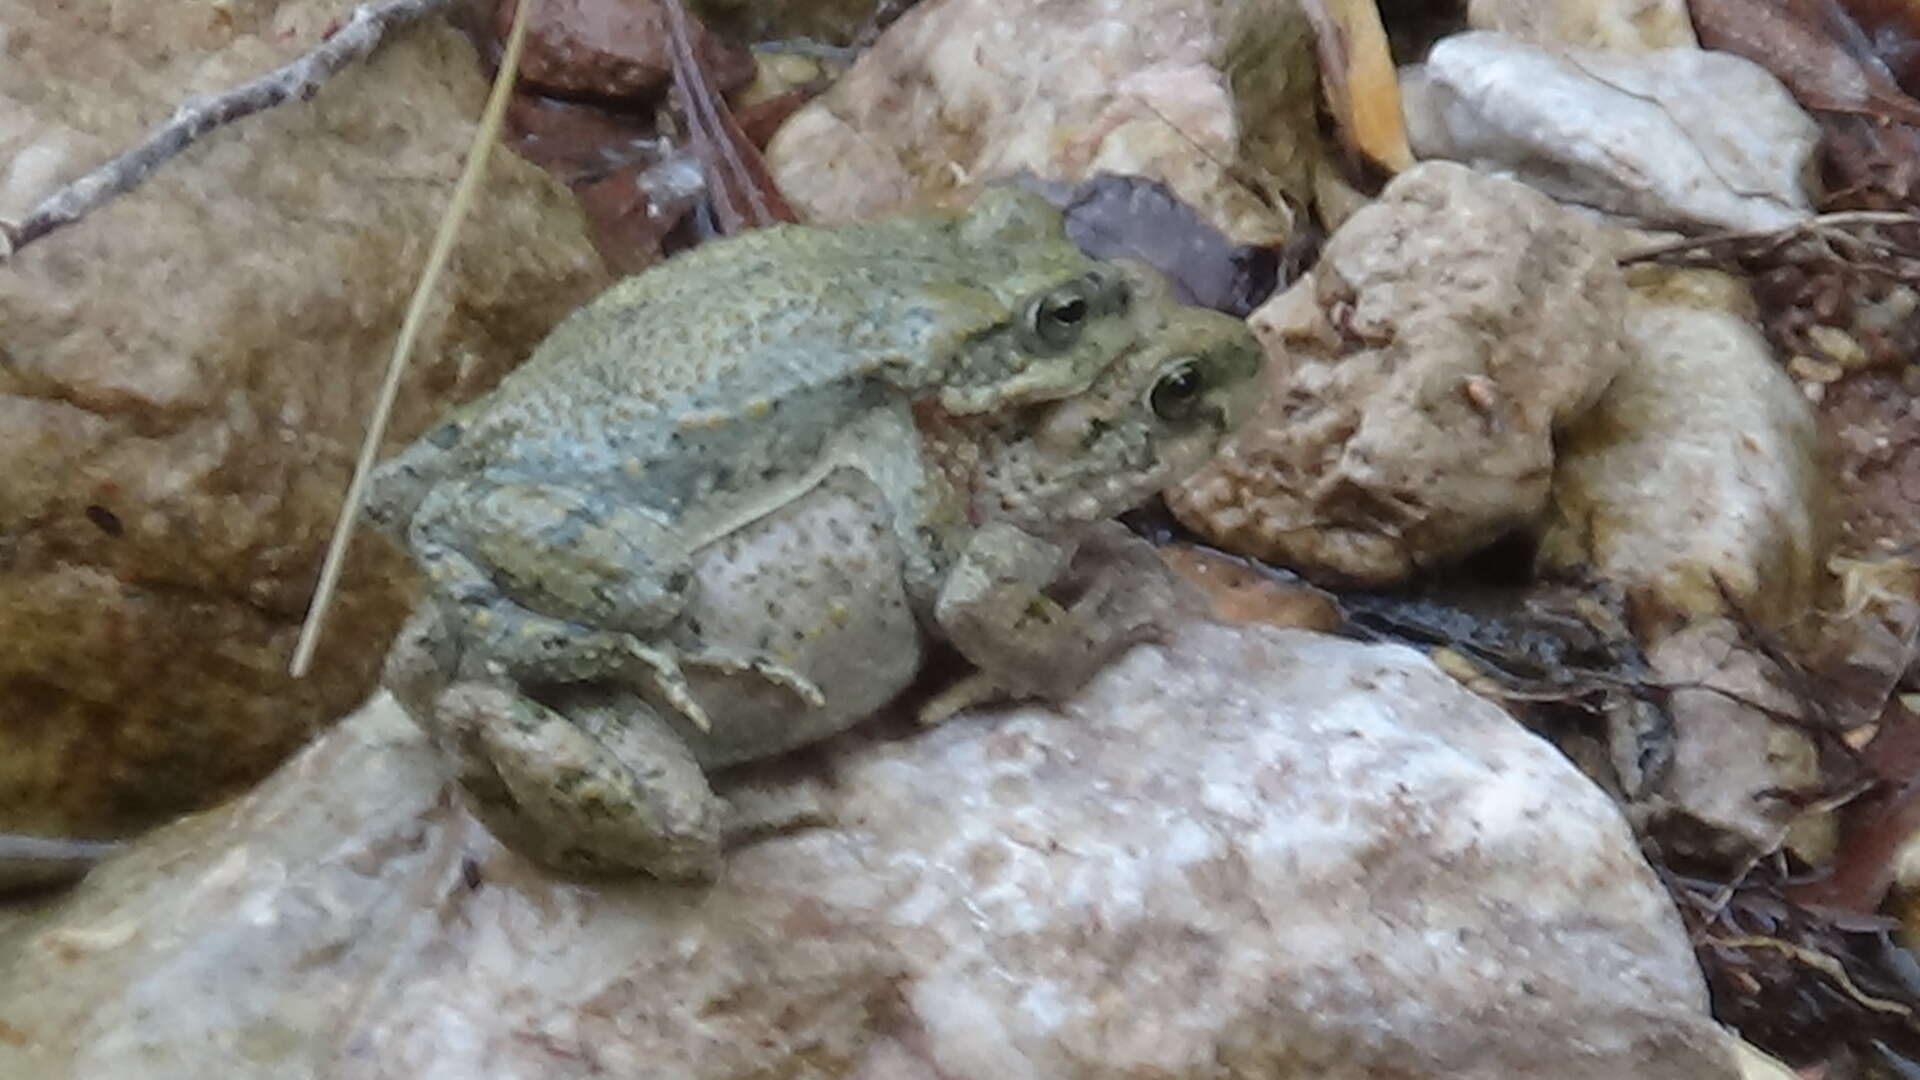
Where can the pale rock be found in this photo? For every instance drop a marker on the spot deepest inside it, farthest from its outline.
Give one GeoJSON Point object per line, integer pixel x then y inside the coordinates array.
{"type": "Point", "coordinates": [1887, 313]}
{"type": "Point", "coordinates": [1698, 473]}
{"type": "Point", "coordinates": [1756, 1064]}
{"type": "Point", "coordinates": [1629, 25]}
{"type": "Point", "coordinates": [1417, 377]}
{"type": "Point", "coordinates": [185, 377]}
{"type": "Point", "coordinates": [1249, 853]}
{"type": "Point", "coordinates": [1215, 99]}
{"type": "Point", "coordinates": [1903, 867]}
{"type": "Point", "coordinates": [1645, 135]}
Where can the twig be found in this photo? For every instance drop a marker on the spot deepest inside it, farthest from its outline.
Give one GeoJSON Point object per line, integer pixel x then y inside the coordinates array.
{"type": "Point", "coordinates": [740, 188]}
{"type": "Point", "coordinates": [1772, 237]}
{"type": "Point", "coordinates": [195, 117]}
{"type": "Point", "coordinates": [485, 135]}
{"type": "Point", "coordinates": [1825, 963]}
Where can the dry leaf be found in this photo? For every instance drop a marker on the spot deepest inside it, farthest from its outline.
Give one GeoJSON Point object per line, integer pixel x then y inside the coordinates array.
{"type": "Point", "coordinates": [1362, 87]}
{"type": "Point", "coordinates": [1797, 45]}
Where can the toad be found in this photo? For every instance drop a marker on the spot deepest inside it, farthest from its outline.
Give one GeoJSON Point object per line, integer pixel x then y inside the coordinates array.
{"type": "Point", "coordinates": [723, 510]}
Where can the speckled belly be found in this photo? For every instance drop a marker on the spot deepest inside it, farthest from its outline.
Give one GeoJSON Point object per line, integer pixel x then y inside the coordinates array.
{"type": "Point", "coordinates": [816, 588]}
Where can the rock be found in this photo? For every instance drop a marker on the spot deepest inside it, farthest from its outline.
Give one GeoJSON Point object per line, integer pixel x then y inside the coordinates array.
{"type": "Point", "coordinates": [1720, 802]}
{"type": "Point", "coordinates": [1695, 485]}
{"type": "Point", "coordinates": [1627, 25]}
{"type": "Point", "coordinates": [1756, 1064]}
{"type": "Point", "coordinates": [1251, 853]}
{"type": "Point", "coordinates": [185, 378]}
{"type": "Point", "coordinates": [1213, 99]}
{"type": "Point", "coordinates": [1814, 370]}
{"type": "Point", "coordinates": [1839, 346]}
{"type": "Point", "coordinates": [1419, 373]}
{"type": "Point", "coordinates": [1644, 135]}
{"type": "Point", "coordinates": [613, 50]}
{"type": "Point", "coordinates": [1894, 883]}
{"type": "Point", "coordinates": [1698, 473]}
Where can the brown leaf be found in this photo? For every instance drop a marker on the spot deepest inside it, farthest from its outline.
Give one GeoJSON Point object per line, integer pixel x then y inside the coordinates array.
{"type": "Point", "coordinates": [576, 143]}
{"type": "Point", "coordinates": [1892, 30]}
{"type": "Point", "coordinates": [1357, 73]}
{"type": "Point", "coordinates": [630, 219]}
{"type": "Point", "coordinates": [1795, 42]}
{"type": "Point", "coordinates": [1242, 591]}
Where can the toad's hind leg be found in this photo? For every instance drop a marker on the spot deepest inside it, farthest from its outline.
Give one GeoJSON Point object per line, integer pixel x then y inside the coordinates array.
{"type": "Point", "coordinates": [558, 585]}
{"type": "Point", "coordinates": [598, 785]}
{"type": "Point", "coordinates": [574, 554]}
{"type": "Point", "coordinates": [509, 641]}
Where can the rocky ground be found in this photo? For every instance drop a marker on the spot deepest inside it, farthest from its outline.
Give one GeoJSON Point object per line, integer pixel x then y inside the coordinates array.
{"type": "Point", "coordinates": [1596, 390]}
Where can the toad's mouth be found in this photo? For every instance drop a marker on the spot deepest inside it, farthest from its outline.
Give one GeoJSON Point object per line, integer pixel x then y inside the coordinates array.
{"type": "Point", "coordinates": [1041, 381]}
{"type": "Point", "coordinates": [951, 416]}
{"type": "Point", "coordinates": [988, 464]}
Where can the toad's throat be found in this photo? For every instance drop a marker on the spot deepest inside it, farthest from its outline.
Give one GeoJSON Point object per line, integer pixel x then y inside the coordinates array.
{"type": "Point", "coordinates": [951, 450]}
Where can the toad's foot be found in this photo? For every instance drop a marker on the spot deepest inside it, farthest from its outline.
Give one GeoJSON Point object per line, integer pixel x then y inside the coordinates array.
{"type": "Point", "coordinates": [760, 811]}
{"type": "Point", "coordinates": [1040, 620]}
{"type": "Point", "coordinates": [971, 691]}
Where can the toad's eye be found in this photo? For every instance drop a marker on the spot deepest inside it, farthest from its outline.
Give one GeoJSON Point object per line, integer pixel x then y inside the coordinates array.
{"type": "Point", "coordinates": [1056, 318]}
{"type": "Point", "coordinates": [1176, 394]}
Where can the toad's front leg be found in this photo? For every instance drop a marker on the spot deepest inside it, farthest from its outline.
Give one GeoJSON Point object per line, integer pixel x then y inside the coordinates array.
{"type": "Point", "coordinates": [585, 780]}
{"type": "Point", "coordinates": [1039, 618]}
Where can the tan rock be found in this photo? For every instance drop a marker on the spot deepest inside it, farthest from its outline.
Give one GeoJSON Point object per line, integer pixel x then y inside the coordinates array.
{"type": "Point", "coordinates": [1214, 99]}
{"type": "Point", "coordinates": [1418, 374]}
{"type": "Point", "coordinates": [185, 376]}
{"type": "Point", "coordinates": [1815, 370]}
{"type": "Point", "coordinates": [1627, 25]}
{"type": "Point", "coordinates": [1695, 485]}
{"type": "Point", "coordinates": [1698, 471]}
{"type": "Point", "coordinates": [1248, 855]}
